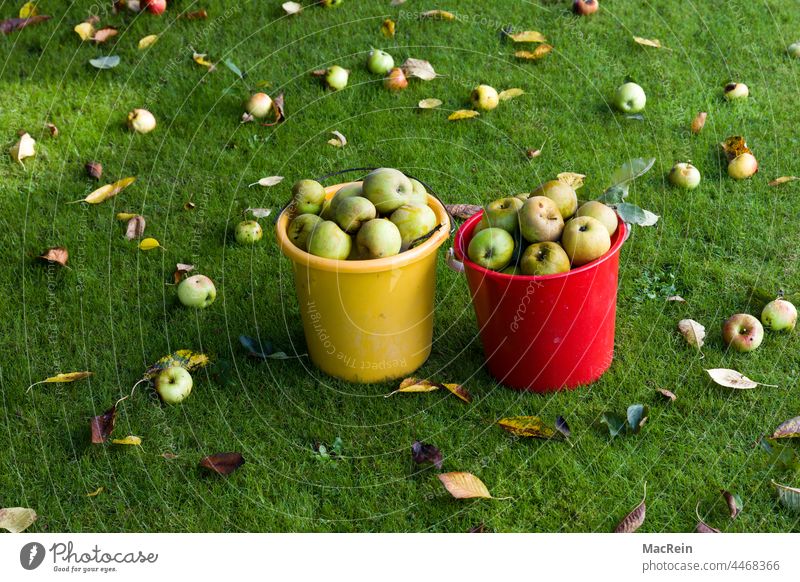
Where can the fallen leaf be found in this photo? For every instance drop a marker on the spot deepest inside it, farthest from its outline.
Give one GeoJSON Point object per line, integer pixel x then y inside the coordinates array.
{"type": "Point", "coordinates": [13, 24]}
{"type": "Point", "coordinates": [734, 379]}
{"type": "Point", "coordinates": [788, 430]}
{"type": "Point", "coordinates": [52, 129]}
{"type": "Point", "coordinates": [28, 9]}
{"type": "Point", "coordinates": [128, 440]}
{"type": "Point", "coordinates": [102, 63]}
{"type": "Point", "coordinates": [181, 269]}
{"type": "Point", "coordinates": [17, 519]}
{"type": "Point", "coordinates": [104, 34]}
{"type": "Point", "coordinates": [528, 426]}
{"type": "Point", "coordinates": [388, 28]}
{"type": "Point", "coordinates": [573, 179]}
{"type": "Point", "coordinates": [676, 298]}
{"type": "Point", "coordinates": [259, 212]}
{"type": "Point", "coordinates": [63, 378]}
{"type": "Point", "coordinates": [788, 496]}
{"type": "Point", "coordinates": [527, 36]}
{"type": "Point", "coordinates": [667, 394]}
{"type": "Point", "coordinates": [530, 154]}
{"type": "Point", "coordinates": [633, 214]}
{"type": "Point", "coordinates": [278, 105]}
{"type": "Point", "coordinates": [108, 191]}
{"type": "Point", "coordinates": [85, 30]}
{"type": "Point", "coordinates": [734, 502]}
{"type": "Point", "coordinates": [24, 148]}
{"type": "Point", "coordinates": [189, 205]}
{"type": "Point", "coordinates": [425, 453]}
{"type": "Point", "coordinates": [783, 180]}
{"type": "Point", "coordinates": [94, 170]}
{"type": "Point", "coordinates": [58, 255]}
{"type": "Point", "coordinates": [462, 114]}
{"type": "Point", "coordinates": [135, 227]}
{"type": "Point", "coordinates": [103, 425]}
{"type": "Point", "coordinates": [693, 332]}
{"type": "Point", "coordinates": [262, 351]}
{"type": "Point", "coordinates": [292, 7]}
{"type": "Point", "coordinates": [200, 59]}
{"type": "Point", "coordinates": [699, 122]}
{"type": "Point", "coordinates": [539, 52]}
{"type": "Point", "coordinates": [186, 359]}
{"type": "Point", "coordinates": [734, 146]}
{"type": "Point", "coordinates": [655, 43]}
{"type": "Point", "coordinates": [635, 518]}
{"type": "Point", "coordinates": [222, 463]}
{"type": "Point", "coordinates": [781, 455]}
{"type": "Point", "coordinates": [267, 182]}
{"type": "Point", "coordinates": [463, 485]}
{"type": "Point", "coordinates": [703, 527]}
{"type": "Point", "coordinates": [438, 15]}
{"type": "Point", "coordinates": [563, 427]}
{"type": "Point", "coordinates": [169, 456]}
{"type": "Point", "coordinates": [125, 216]}
{"type": "Point", "coordinates": [462, 211]}
{"type": "Point", "coordinates": [637, 415]}
{"type": "Point", "coordinates": [149, 244]}
{"type": "Point", "coordinates": [201, 14]}
{"type": "Point", "coordinates": [419, 69]}
{"type": "Point", "coordinates": [616, 424]}
{"type": "Point", "coordinates": [414, 385]}
{"type": "Point", "coordinates": [459, 391]}
{"type": "Point", "coordinates": [148, 41]}
{"type": "Point", "coordinates": [509, 94]}
{"type": "Point", "coordinates": [338, 140]}
{"type": "Point", "coordinates": [430, 103]}
{"type": "Point", "coordinates": [480, 528]}
{"type": "Point", "coordinates": [630, 170]}
{"type": "Point", "coordinates": [96, 492]}
{"type": "Point", "coordinates": [233, 68]}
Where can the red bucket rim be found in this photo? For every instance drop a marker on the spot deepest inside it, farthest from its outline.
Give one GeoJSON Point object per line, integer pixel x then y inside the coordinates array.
{"type": "Point", "coordinates": [460, 245]}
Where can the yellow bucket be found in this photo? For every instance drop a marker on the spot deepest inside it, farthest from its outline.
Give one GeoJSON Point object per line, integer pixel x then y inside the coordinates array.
{"type": "Point", "coordinates": [367, 321]}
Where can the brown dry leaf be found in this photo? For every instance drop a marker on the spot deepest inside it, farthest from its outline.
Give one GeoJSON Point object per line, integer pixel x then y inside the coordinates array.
{"type": "Point", "coordinates": [527, 36]}
{"type": "Point", "coordinates": [131, 440]}
{"type": "Point", "coordinates": [635, 518]}
{"type": "Point", "coordinates": [735, 146]}
{"type": "Point", "coordinates": [430, 103]}
{"type": "Point", "coordinates": [667, 394]}
{"type": "Point", "coordinates": [539, 52]}
{"type": "Point", "coordinates": [530, 154]}
{"type": "Point", "coordinates": [222, 463]}
{"type": "Point", "coordinates": [734, 379]}
{"type": "Point", "coordinates": [693, 332]}
{"type": "Point", "coordinates": [388, 28]}
{"type": "Point", "coordinates": [16, 519]}
{"type": "Point", "coordinates": [733, 501]}
{"type": "Point", "coordinates": [783, 180]}
{"type": "Point", "coordinates": [96, 492]}
{"type": "Point", "coordinates": [528, 426]}
{"type": "Point", "coordinates": [135, 227]}
{"type": "Point", "coordinates": [459, 391]}
{"type": "Point", "coordinates": [703, 527]}
{"type": "Point", "coordinates": [63, 378]}
{"type": "Point", "coordinates": [292, 7]}
{"type": "Point", "coordinates": [52, 129]}
{"type": "Point", "coordinates": [104, 34]}
{"type": "Point", "coordinates": [13, 24]}
{"type": "Point", "coordinates": [189, 205]}
{"type": "Point", "coordinates": [200, 59]}
{"type": "Point", "coordinates": [415, 385]}
{"type": "Point", "coordinates": [201, 14]}
{"type": "Point", "coordinates": [462, 485]}
{"type": "Point", "coordinates": [462, 211]}
{"type": "Point", "coordinates": [108, 191]}
{"type": "Point", "coordinates": [338, 140]}
{"type": "Point", "coordinates": [699, 122]}
{"type": "Point", "coordinates": [418, 68]}
{"type": "Point", "coordinates": [655, 43]}
{"type": "Point", "coordinates": [572, 179]}
{"type": "Point", "coordinates": [103, 425]}
{"type": "Point", "coordinates": [169, 456]}
{"type": "Point", "coordinates": [24, 148]}
{"type": "Point", "coordinates": [462, 114]}
{"type": "Point", "coordinates": [58, 255]}
{"type": "Point", "coordinates": [788, 430]}
{"type": "Point", "coordinates": [94, 170]}
{"type": "Point", "coordinates": [149, 244]}
{"type": "Point", "coordinates": [278, 105]}
{"type": "Point", "coordinates": [181, 269]}
{"type": "Point", "coordinates": [438, 15]}
{"type": "Point", "coordinates": [148, 41]}
{"type": "Point", "coordinates": [85, 30]}
{"type": "Point", "coordinates": [509, 94]}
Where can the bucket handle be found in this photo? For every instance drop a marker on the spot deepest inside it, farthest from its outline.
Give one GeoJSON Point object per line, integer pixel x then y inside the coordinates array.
{"type": "Point", "coordinates": [453, 262]}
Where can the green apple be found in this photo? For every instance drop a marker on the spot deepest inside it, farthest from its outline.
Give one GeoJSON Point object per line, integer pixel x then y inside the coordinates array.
{"type": "Point", "coordinates": [346, 192]}
{"type": "Point", "coordinates": [794, 50]}
{"type": "Point", "coordinates": [378, 238]}
{"type": "Point", "coordinates": [259, 105]}
{"type": "Point", "coordinates": [484, 97]}
{"type": "Point", "coordinates": [562, 194]}
{"type": "Point", "coordinates": [388, 189]}
{"type": "Point", "coordinates": [630, 98]}
{"type": "Point", "coordinates": [248, 232]}
{"type": "Point", "coordinates": [300, 228]}
{"type": "Point", "coordinates": [742, 332]}
{"type": "Point", "coordinates": [601, 212]}
{"type": "Point", "coordinates": [544, 258]}
{"type": "Point", "coordinates": [174, 384]}
{"type": "Point", "coordinates": [585, 239]}
{"type": "Point", "coordinates": [308, 196]}
{"type": "Point", "coordinates": [540, 220]}
{"type": "Point", "coordinates": [779, 315]}
{"type": "Point", "coordinates": [684, 175]}
{"type": "Point", "coordinates": [413, 221]}
{"type": "Point", "coordinates": [197, 291]}
{"type": "Point", "coordinates": [743, 166]}
{"type": "Point", "coordinates": [329, 241]}
{"type": "Point", "coordinates": [379, 62]}
{"type": "Point", "coordinates": [736, 91]}
{"type": "Point", "coordinates": [512, 269]}
{"type": "Point", "coordinates": [327, 210]}
{"type": "Point", "coordinates": [336, 77]}
{"type": "Point", "coordinates": [418, 193]}
{"type": "Point", "coordinates": [502, 213]}
{"type": "Point", "coordinates": [491, 249]}
{"type": "Point", "coordinates": [352, 212]}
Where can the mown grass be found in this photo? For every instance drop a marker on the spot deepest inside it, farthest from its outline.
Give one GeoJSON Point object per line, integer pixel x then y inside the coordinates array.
{"type": "Point", "coordinates": [112, 311]}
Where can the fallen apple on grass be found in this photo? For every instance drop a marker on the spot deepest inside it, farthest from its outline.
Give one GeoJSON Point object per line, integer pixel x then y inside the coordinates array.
{"type": "Point", "coordinates": [308, 196]}
{"type": "Point", "coordinates": [379, 62]}
{"type": "Point", "coordinates": [197, 291]}
{"type": "Point", "coordinates": [336, 77]}
{"type": "Point", "coordinates": [779, 315]}
{"type": "Point", "coordinates": [491, 248]}
{"type": "Point", "coordinates": [396, 80]}
{"type": "Point", "coordinates": [735, 91]}
{"type": "Point", "coordinates": [156, 7]}
{"type": "Point", "coordinates": [794, 50]}
{"type": "Point", "coordinates": [630, 98]}
{"type": "Point", "coordinates": [544, 258]}
{"type": "Point", "coordinates": [141, 121]}
{"type": "Point", "coordinates": [684, 175]}
{"type": "Point", "coordinates": [585, 7]}
{"type": "Point", "coordinates": [248, 232]}
{"type": "Point", "coordinates": [484, 97]}
{"type": "Point", "coordinates": [742, 332]}
{"type": "Point", "coordinates": [259, 105]}
{"type": "Point", "coordinates": [174, 384]}
{"type": "Point", "coordinates": [743, 166]}
{"type": "Point", "coordinates": [377, 239]}
{"type": "Point", "coordinates": [300, 228]}
{"type": "Point", "coordinates": [562, 194]}
{"type": "Point", "coordinates": [585, 239]}
{"type": "Point", "coordinates": [601, 212]}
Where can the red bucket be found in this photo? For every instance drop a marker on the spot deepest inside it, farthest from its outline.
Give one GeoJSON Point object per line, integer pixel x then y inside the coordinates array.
{"type": "Point", "coordinates": [548, 332]}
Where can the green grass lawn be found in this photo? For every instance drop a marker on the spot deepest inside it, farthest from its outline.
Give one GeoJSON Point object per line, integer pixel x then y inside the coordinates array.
{"type": "Point", "coordinates": [113, 312]}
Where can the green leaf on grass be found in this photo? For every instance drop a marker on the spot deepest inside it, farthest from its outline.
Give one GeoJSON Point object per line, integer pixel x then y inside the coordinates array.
{"type": "Point", "coordinates": [614, 195]}
{"type": "Point", "coordinates": [637, 416]}
{"type": "Point", "coordinates": [236, 70]}
{"type": "Point", "coordinates": [631, 170]}
{"type": "Point", "coordinates": [108, 62]}
{"type": "Point", "coordinates": [262, 351]}
{"type": "Point", "coordinates": [635, 215]}
{"type": "Point", "coordinates": [616, 424]}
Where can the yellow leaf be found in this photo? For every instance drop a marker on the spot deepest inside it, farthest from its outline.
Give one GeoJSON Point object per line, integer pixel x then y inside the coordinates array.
{"type": "Point", "coordinates": [28, 10]}
{"type": "Point", "coordinates": [387, 28]}
{"type": "Point", "coordinates": [109, 190]}
{"type": "Point", "coordinates": [462, 114]}
{"type": "Point", "coordinates": [430, 103]}
{"type": "Point", "coordinates": [528, 36]}
{"type": "Point", "coordinates": [655, 43]}
{"type": "Point", "coordinates": [85, 30]}
{"type": "Point", "coordinates": [63, 378]}
{"type": "Point", "coordinates": [96, 492]}
{"type": "Point", "coordinates": [184, 358]}
{"type": "Point", "coordinates": [783, 180]}
{"type": "Point", "coordinates": [539, 52]}
{"type": "Point", "coordinates": [24, 148]}
{"type": "Point", "coordinates": [528, 426]}
{"type": "Point", "coordinates": [463, 485]}
{"type": "Point", "coordinates": [200, 59]}
{"type": "Point", "coordinates": [438, 14]}
{"type": "Point", "coordinates": [16, 519]}
{"type": "Point", "coordinates": [148, 41]}
{"type": "Point", "coordinates": [414, 385]}
{"type": "Point", "coordinates": [124, 216]}
{"type": "Point", "coordinates": [459, 391]}
{"type": "Point", "coordinates": [128, 440]}
{"type": "Point", "coordinates": [338, 140]}
{"type": "Point", "coordinates": [148, 244]}
{"type": "Point", "coordinates": [510, 94]}
{"type": "Point", "coordinates": [572, 179]}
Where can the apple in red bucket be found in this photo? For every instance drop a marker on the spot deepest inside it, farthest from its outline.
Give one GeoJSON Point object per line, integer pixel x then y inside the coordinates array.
{"type": "Point", "coordinates": [601, 212]}
{"type": "Point", "coordinates": [562, 194]}
{"type": "Point", "coordinates": [742, 332]}
{"type": "Point", "coordinates": [544, 258]}
{"type": "Point", "coordinates": [585, 239]}
{"type": "Point", "coordinates": [540, 220]}
{"type": "Point", "coordinates": [503, 213]}
{"type": "Point", "coordinates": [491, 248]}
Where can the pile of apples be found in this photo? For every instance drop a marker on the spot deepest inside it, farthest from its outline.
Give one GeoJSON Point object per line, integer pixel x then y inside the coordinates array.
{"type": "Point", "coordinates": [542, 233]}
{"type": "Point", "coordinates": [377, 218]}
{"type": "Point", "coordinates": [744, 332]}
